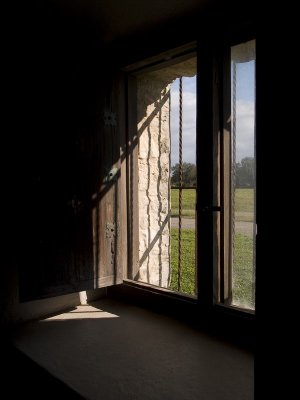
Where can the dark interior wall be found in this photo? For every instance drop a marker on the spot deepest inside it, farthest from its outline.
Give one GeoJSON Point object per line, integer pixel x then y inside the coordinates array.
{"type": "Point", "coordinates": [210, 21]}
{"type": "Point", "coordinates": [56, 153]}
{"type": "Point", "coordinates": [56, 85]}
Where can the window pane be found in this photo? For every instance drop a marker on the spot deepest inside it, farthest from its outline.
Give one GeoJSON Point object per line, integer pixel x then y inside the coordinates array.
{"type": "Point", "coordinates": [243, 175]}
{"type": "Point", "coordinates": [166, 170]}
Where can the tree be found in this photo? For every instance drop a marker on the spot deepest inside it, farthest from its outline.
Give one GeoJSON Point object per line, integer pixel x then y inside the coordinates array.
{"type": "Point", "coordinates": [189, 174]}
{"type": "Point", "coordinates": [245, 173]}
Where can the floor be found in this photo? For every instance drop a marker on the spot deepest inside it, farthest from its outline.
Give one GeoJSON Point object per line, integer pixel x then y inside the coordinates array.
{"type": "Point", "coordinates": [23, 378]}
{"type": "Point", "coordinates": [110, 350]}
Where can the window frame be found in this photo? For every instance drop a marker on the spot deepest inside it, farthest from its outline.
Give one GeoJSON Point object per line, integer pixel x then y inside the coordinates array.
{"type": "Point", "coordinates": [210, 85]}
{"type": "Point", "coordinates": [213, 87]}
{"type": "Point", "coordinates": [225, 265]}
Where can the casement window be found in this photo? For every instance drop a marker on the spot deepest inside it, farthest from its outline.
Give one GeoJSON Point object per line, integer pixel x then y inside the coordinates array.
{"type": "Point", "coordinates": [191, 169]}
{"type": "Point", "coordinates": [238, 178]}
{"type": "Point", "coordinates": [163, 174]}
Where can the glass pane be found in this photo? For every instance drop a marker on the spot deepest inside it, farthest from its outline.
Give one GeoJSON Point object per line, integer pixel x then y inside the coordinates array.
{"type": "Point", "coordinates": [166, 117]}
{"type": "Point", "coordinates": [243, 174]}
{"type": "Point", "coordinates": [183, 191]}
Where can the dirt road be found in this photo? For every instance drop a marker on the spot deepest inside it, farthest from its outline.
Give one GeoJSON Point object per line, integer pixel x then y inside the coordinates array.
{"type": "Point", "coordinates": [245, 228]}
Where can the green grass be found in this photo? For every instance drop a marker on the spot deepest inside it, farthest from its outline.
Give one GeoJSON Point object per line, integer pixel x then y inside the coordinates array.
{"type": "Point", "coordinates": [242, 266]}
{"type": "Point", "coordinates": [243, 247]}
{"type": "Point", "coordinates": [244, 205]}
{"type": "Point", "coordinates": [188, 202]}
{"type": "Point", "coordinates": [244, 200]}
{"type": "Point", "coordinates": [242, 271]}
{"type": "Point", "coordinates": [188, 261]}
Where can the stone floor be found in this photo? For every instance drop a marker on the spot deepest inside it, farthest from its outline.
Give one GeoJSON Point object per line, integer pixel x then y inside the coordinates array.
{"type": "Point", "coordinates": [110, 350]}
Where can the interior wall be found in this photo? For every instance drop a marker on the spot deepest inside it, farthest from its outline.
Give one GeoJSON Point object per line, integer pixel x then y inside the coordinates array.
{"type": "Point", "coordinates": [55, 93]}
{"type": "Point", "coordinates": [31, 310]}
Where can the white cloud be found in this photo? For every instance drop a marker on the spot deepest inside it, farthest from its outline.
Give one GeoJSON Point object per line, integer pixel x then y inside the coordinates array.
{"type": "Point", "coordinates": [244, 126]}
{"type": "Point", "coordinates": [244, 129]}
{"type": "Point", "coordinates": [188, 126]}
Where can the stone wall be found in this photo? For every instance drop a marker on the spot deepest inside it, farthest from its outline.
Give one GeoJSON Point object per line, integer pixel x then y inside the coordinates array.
{"type": "Point", "coordinates": [153, 115]}
{"type": "Point", "coordinates": [153, 99]}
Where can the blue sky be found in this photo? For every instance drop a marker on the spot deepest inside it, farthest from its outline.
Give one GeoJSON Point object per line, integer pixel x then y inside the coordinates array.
{"type": "Point", "coordinates": [245, 92]}
{"type": "Point", "coordinates": [245, 81]}
{"type": "Point", "coordinates": [188, 120]}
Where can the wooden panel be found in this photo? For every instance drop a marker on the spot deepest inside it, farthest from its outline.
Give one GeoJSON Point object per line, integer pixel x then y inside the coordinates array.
{"type": "Point", "coordinates": [122, 129]}
{"type": "Point", "coordinates": [121, 207]}
{"type": "Point", "coordinates": [106, 209]}
{"type": "Point", "coordinates": [226, 273]}
{"type": "Point", "coordinates": [132, 175]}
{"type": "Point", "coordinates": [217, 83]}
{"type": "Point", "coordinates": [61, 203]}
{"type": "Point", "coordinates": [205, 173]}
{"type": "Point", "coordinates": [55, 220]}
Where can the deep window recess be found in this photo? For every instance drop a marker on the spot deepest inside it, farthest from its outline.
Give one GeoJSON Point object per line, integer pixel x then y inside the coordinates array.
{"type": "Point", "coordinates": [238, 179]}
{"type": "Point", "coordinates": [162, 176]}
{"type": "Point", "coordinates": [207, 252]}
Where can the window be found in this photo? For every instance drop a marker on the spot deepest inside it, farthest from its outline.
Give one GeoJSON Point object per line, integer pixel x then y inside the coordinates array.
{"type": "Point", "coordinates": [192, 180]}
{"type": "Point", "coordinates": [238, 179]}
{"type": "Point", "coordinates": [165, 176]}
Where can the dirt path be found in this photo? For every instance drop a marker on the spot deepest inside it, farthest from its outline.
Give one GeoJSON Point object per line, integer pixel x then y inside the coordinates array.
{"type": "Point", "coordinates": [186, 223]}
{"type": "Point", "coordinates": [245, 228]}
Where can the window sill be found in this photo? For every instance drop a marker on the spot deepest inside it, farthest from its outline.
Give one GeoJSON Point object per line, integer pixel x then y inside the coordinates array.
{"type": "Point", "coordinates": [224, 322]}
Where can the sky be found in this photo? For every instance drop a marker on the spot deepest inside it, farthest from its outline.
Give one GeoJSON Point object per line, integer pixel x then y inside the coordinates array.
{"type": "Point", "coordinates": [188, 120]}
{"type": "Point", "coordinates": [245, 91]}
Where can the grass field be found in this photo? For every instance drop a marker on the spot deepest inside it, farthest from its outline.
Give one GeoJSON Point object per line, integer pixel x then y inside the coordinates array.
{"type": "Point", "coordinates": [244, 200]}
{"type": "Point", "coordinates": [188, 200]}
{"type": "Point", "coordinates": [244, 205]}
{"type": "Point", "coordinates": [242, 271]}
{"type": "Point", "coordinates": [188, 261]}
{"type": "Point", "coordinates": [243, 248]}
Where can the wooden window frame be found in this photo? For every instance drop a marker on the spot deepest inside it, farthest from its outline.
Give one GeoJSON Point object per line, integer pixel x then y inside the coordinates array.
{"type": "Point", "coordinates": [207, 307]}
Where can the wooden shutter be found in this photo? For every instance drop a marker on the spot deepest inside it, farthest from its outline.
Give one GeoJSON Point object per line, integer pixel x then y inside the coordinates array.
{"type": "Point", "coordinates": [68, 234]}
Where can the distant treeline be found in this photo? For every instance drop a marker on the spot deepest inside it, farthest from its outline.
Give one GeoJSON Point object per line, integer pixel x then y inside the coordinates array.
{"type": "Point", "coordinates": [244, 174]}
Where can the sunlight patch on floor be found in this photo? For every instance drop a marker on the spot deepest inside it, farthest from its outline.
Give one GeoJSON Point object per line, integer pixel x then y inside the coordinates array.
{"type": "Point", "coordinates": [82, 312]}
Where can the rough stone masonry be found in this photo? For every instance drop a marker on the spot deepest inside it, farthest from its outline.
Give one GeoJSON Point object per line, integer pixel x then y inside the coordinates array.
{"type": "Point", "coordinates": [153, 113]}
